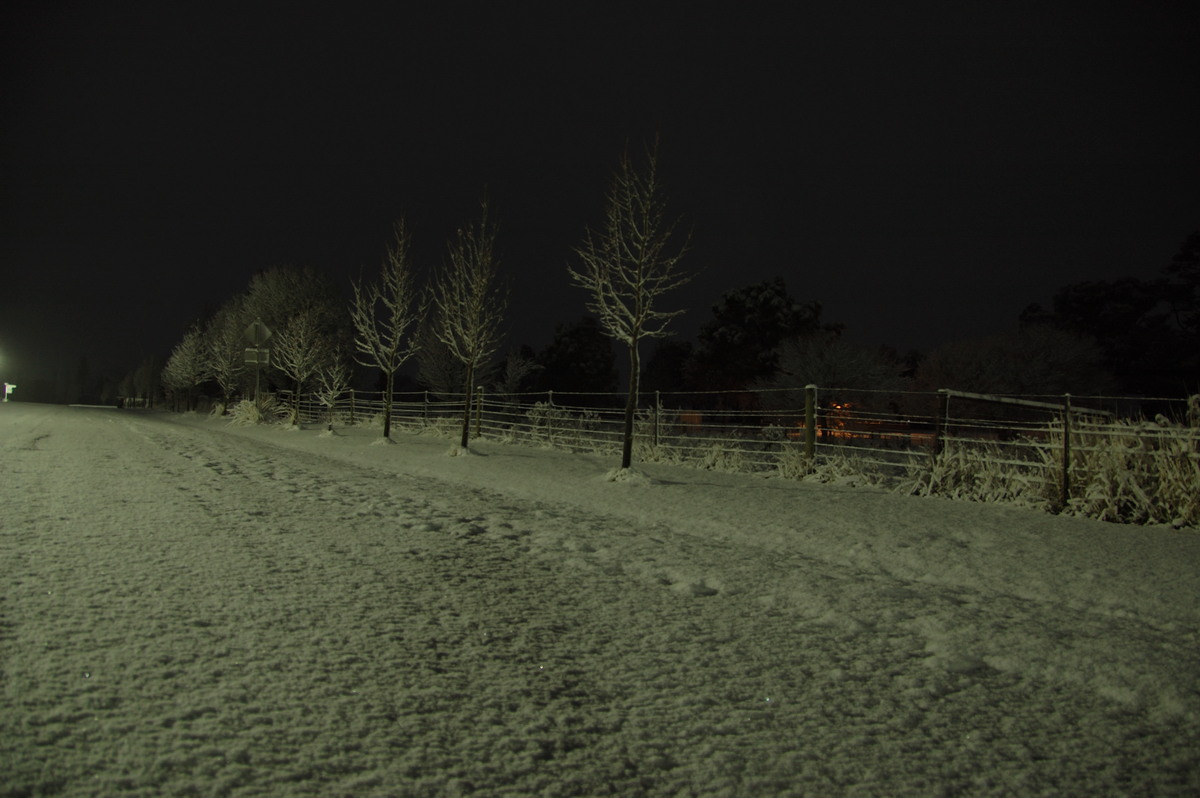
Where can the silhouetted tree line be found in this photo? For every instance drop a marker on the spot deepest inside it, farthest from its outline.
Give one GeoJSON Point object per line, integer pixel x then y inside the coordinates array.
{"type": "Point", "coordinates": [1129, 336]}
{"type": "Point", "coordinates": [1147, 331]}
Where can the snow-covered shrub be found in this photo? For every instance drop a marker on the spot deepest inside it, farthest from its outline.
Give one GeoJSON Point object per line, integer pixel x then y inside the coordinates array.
{"type": "Point", "coordinates": [1129, 472]}
{"type": "Point", "coordinates": [717, 457]}
{"type": "Point", "coordinates": [564, 427]}
{"type": "Point", "coordinates": [792, 462]}
{"type": "Point", "coordinates": [267, 410]}
{"type": "Point", "coordinates": [441, 426]}
{"type": "Point", "coordinates": [543, 419]}
{"type": "Point", "coordinates": [1124, 472]}
{"type": "Point", "coordinates": [844, 470]}
{"type": "Point", "coordinates": [983, 473]}
{"type": "Point", "coordinates": [644, 448]}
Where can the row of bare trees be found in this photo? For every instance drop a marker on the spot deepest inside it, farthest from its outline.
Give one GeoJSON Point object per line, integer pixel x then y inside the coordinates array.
{"type": "Point", "coordinates": [626, 266]}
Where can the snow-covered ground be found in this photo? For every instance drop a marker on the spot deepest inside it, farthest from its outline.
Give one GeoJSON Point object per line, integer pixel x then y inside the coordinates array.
{"type": "Point", "coordinates": [195, 608]}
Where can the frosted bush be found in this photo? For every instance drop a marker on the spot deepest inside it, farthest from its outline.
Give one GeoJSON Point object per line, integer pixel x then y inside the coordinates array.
{"type": "Point", "coordinates": [267, 410]}
{"type": "Point", "coordinates": [1123, 472]}
{"type": "Point", "coordinates": [719, 458]}
{"type": "Point", "coordinates": [792, 462]}
{"type": "Point", "coordinates": [571, 429]}
{"type": "Point", "coordinates": [442, 426]}
{"type": "Point", "coordinates": [982, 473]}
{"type": "Point", "coordinates": [1136, 473]}
{"type": "Point", "coordinates": [843, 470]}
{"type": "Point", "coordinates": [644, 433]}
{"type": "Point", "coordinates": [544, 418]}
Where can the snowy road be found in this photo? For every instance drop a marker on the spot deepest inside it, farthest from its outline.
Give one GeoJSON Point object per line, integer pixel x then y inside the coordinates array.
{"type": "Point", "coordinates": [190, 608]}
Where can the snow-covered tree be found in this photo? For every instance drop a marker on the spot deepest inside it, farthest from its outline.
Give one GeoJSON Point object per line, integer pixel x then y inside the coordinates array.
{"type": "Point", "coordinates": [226, 345]}
{"type": "Point", "coordinates": [386, 317]}
{"type": "Point", "coordinates": [517, 367]}
{"type": "Point", "coordinates": [333, 378]}
{"type": "Point", "coordinates": [187, 367]}
{"type": "Point", "coordinates": [470, 305]}
{"type": "Point", "coordinates": [277, 295]}
{"type": "Point", "coordinates": [629, 265]}
{"type": "Point", "coordinates": [438, 370]}
{"type": "Point", "coordinates": [299, 349]}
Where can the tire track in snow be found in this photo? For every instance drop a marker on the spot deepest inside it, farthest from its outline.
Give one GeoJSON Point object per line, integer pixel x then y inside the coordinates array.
{"type": "Point", "coordinates": [941, 628]}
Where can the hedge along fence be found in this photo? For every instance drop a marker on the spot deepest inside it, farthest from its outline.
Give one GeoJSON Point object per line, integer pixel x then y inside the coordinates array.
{"type": "Point", "coordinates": [1063, 454]}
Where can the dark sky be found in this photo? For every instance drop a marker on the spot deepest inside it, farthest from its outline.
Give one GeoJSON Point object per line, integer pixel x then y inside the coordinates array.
{"type": "Point", "coordinates": [923, 170]}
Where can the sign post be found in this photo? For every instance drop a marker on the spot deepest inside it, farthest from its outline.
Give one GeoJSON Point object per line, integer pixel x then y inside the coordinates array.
{"type": "Point", "coordinates": [258, 355]}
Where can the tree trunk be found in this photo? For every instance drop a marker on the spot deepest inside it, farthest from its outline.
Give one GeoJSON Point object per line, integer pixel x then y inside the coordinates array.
{"type": "Point", "coordinates": [630, 405]}
{"type": "Point", "coordinates": [387, 404]}
{"type": "Point", "coordinates": [467, 390]}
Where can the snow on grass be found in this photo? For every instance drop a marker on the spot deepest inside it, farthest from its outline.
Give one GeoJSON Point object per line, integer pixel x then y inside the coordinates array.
{"type": "Point", "coordinates": [196, 607]}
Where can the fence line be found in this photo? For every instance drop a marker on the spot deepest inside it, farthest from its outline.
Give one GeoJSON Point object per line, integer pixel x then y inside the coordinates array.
{"type": "Point", "coordinates": [1070, 453]}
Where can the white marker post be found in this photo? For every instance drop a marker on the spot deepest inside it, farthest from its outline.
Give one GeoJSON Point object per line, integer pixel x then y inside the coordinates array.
{"type": "Point", "coordinates": [8, 388]}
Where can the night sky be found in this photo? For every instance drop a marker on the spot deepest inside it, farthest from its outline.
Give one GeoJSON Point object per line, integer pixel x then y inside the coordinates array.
{"type": "Point", "coordinates": [923, 170]}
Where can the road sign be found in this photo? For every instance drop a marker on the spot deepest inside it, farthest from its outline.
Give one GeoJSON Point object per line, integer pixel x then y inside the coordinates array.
{"type": "Point", "coordinates": [257, 356]}
{"type": "Point", "coordinates": [257, 333]}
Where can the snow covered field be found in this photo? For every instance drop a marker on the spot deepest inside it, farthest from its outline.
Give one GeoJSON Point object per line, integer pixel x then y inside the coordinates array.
{"type": "Point", "coordinates": [195, 608]}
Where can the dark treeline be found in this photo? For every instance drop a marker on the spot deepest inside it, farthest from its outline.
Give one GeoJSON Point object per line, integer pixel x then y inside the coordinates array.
{"type": "Point", "coordinates": [1130, 337]}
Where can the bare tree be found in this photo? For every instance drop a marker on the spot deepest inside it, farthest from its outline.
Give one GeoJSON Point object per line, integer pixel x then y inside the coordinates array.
{"type": "Point", "coordinates": [226, 347]}
{"type": "Point", "coordinates": [333, 378]}
{"type": "Point", "coordinates": [277, 295]}
{"type": "Point", "coordinates": [516, 368]}
{"type": "Point", "coordinates": [629, 265]}
{"type": "Point", "coordinates": [438, 370]}
{"type": "Point", "coordinates": [146, 380]}
{"type": "Point", "coordinates": [187, 368]}
{"type": "Point", "coordinates": [470, 305]}
{"type": "Point", "coordinates": [386, 316]}
{"type": "Point", "coordinates": [872, 376]}
{"type": "Point", "coordinates": [299, 349]}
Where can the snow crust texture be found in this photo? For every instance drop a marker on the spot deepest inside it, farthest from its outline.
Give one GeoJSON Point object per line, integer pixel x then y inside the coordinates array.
{"type": "Point", "coordinates": [195, 608]}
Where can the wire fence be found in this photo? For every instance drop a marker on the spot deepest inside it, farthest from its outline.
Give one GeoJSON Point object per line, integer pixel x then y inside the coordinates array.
{"type": "Point", "coordinates": [1121, 458]}
{"type": "Point", "coordinates": [881, 429]}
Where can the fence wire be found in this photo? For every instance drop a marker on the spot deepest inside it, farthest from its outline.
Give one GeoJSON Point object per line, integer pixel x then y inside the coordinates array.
{"type": "Point", "coordinates": [1058, 452]}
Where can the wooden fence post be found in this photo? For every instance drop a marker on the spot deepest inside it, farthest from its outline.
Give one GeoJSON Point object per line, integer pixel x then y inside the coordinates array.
{"type": "Point", "coordinates": [352, 407]}
{"type": "Point", "coordinates": [1065, 491]}
{"type": "Point", "coordinates": [941, 424]}
{"type": "Point", "coordinates": [657, 408]}
{"type": "Point", "coordinates": [478, 410]}
{"type": "Point", "coordinates": [810, 422]}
